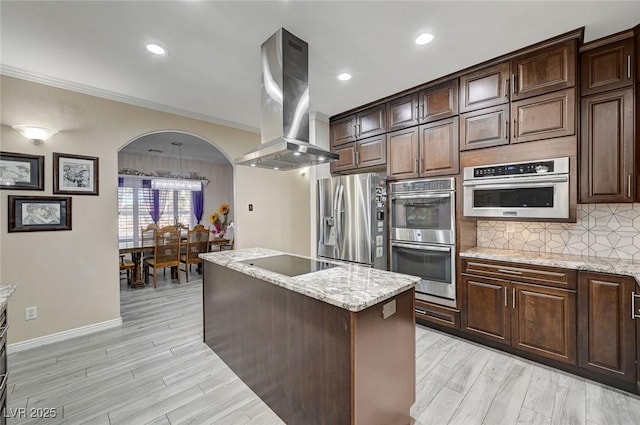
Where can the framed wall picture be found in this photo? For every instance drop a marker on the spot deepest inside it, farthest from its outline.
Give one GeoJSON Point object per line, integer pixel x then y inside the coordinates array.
{"type": "Point", "coordinates": [75, 174]}
{"type": "Point", "coordinates": [20, 171]}
{"type": "Point", "coordinates": [39, 213]}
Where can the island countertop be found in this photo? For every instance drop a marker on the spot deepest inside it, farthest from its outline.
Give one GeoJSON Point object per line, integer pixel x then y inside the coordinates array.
{"type": "Point", "coordinates": [5, 292]}
{"type": "Point", "coordinates": [351, 287]}
{"type": "Point", "coordinates": [567, 261]}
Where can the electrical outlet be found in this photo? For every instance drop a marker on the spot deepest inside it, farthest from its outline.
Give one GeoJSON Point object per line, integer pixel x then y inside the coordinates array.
{"type": "Point", "coordinates": [31, 313]}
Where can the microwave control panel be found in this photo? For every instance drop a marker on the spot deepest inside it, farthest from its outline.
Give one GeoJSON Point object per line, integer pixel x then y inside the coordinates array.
{"type": "Point", "coordinates": [524, 168]}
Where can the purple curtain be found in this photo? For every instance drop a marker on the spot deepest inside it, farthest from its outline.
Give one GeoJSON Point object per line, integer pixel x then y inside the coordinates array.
{"type": "Point", "coordinates": [197, 202]}
{"type": "Point", "coordinates": [154, 200]}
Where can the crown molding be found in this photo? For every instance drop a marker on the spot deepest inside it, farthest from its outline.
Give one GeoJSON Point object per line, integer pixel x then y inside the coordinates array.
{"type": "Point", "coordinates": [22, 74]}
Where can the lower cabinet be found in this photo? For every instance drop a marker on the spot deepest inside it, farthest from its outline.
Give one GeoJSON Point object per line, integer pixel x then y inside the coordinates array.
{"type": "Point", "coordinates": [588, 321]}
{"type": "Point", "coordinates": [504, 306]}
{"type": "Point", "coordinates": [606, 325]}
{"type": "Point", "coordinates": [438, 314]}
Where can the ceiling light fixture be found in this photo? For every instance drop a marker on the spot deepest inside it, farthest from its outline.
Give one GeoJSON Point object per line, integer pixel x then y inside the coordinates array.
{"type": "Point", "coordinates": [36, 134]}
{"type": "Point", "coordinates": [344, 76]}
{"type": "Point", "coordinates": [156, 49]}
{"type": "Point", "coordinates": [179, 183]}
{"type": "Point", "coordinates": [424, 38]}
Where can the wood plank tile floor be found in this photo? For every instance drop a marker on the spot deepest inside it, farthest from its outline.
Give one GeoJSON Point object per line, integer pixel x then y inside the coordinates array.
{"type": "Point", "coordinates": [155, 369]}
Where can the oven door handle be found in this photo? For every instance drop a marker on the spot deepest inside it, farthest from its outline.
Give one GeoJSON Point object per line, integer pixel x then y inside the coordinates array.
{"type": "Point", "coordinates": [516, 184]}
{"type": "Point", "coordinates": [422, 247]}
{"type": "Point", "coordinates": [423, 196]}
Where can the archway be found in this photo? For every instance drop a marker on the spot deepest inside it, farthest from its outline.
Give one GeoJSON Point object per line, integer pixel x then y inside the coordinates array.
{"type": "Point", "coordinates": [177, 155]}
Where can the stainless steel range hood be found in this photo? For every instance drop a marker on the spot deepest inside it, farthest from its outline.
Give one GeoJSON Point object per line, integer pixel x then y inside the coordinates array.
{"type": "Point", "coordinates": [285, 108]}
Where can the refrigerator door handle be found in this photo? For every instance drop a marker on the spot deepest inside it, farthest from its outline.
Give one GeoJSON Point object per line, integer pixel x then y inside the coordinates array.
{"type": "Point", "coordinates": [340, 218]}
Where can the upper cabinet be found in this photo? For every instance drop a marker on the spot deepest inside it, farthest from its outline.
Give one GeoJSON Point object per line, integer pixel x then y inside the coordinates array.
{"type": "Point", "coordinates": [532, 97]}
{"type": "Point", "coordinates": [485, 88]}
{"type": "Point", "coordinates": [367, 123]}
{"type": "Point", "coordinates": [545, 70]}
{"type": "Point", "coordinates": [609, 120]}
{"type": "Point", "coordinates": [607, 67]}
{"type": "Point", "coordinates": [424, 106]}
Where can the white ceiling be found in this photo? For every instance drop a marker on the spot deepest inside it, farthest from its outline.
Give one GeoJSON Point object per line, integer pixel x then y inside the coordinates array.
{"type": "Point", "coordinates": [212, 68]}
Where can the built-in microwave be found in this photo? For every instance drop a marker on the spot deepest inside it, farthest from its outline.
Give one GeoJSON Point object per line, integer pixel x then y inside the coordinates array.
{"type": "Point", "coordinates": [534, 189]}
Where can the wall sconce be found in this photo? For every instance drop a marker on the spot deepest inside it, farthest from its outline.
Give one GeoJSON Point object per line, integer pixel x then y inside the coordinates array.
{"type": "Point", "coordinates": [36, 134]}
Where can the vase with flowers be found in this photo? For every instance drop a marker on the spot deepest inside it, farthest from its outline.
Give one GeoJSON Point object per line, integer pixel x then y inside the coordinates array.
{"type": "Point", "coordinates": [219, 219]}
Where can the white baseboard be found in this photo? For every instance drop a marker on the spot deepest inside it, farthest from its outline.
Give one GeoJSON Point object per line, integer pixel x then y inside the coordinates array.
{"type": "Point", "coordinates": [62, 336]}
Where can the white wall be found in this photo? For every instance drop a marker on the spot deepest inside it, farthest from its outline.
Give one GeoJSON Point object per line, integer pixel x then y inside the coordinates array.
{"type": "Point", "coordinates": [72, 276]}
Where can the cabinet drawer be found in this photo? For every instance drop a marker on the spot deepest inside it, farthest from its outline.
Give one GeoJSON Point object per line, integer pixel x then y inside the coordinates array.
{"type": "Point", "coordinates": [541, 275]}
{"type": "Point", "coordinates": [437, 314]}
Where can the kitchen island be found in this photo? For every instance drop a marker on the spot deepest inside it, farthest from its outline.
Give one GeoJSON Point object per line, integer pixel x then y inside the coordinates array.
{"type": "Point", "coordinates": [330, 345]}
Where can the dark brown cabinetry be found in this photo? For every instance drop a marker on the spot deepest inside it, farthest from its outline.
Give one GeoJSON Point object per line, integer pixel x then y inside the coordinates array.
{"type": "Point", "coordinates": [440, 315]}
{"type": "Point", "coordinates": [544, 70]}
{"type": "Point", "coordinates": [606, 325]}
{"type": "Point", "coordinates": [427, 105]}
{"type": "Point", "coordinates": [608, 119]}
{"type": "Point", "coordinates": [607, 147]}
{"type": "Point", "coordinates": [529, 308]}
{"type": "Point", "coordinates": [607, 67]}
{"type": "Point", "coordinates": [428, 150]}
{"type": "Point", "coordinates": [530, 98]}
{"type": "Point", "coordinates": [367, 123]}
{"type": "Point", "coordinates": [363, 153]}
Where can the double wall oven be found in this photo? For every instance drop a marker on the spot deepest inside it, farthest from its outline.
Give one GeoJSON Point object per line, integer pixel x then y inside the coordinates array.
{"type": "Point", "coordinates": [423, 236]}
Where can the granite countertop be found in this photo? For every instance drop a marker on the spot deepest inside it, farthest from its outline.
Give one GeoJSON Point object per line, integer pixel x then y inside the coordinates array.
{"type": "Point", "coordinates": [576, 262]}
{"type": "Point", "coordinates": [5, 293]}
{"type": "Point", "coordinates": [347, 286]}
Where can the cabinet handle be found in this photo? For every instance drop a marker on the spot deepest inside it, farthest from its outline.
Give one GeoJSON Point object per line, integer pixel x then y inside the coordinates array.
{"type": "Point", "coordinates": [510, 271]}
{"type": "Point", "coordinates": [505, 297]}
{"type": "Point", "coordinates": [513, 298]}
{"type": "Point", "coordinates": [418, 112]}
{"type": "Point", "coordinates": [421, 311]}
{"type": "Point", "coordinates": [355, 129]}
{"type": "Point", "coordinates": [513, 79]}
{"type": "Point", "coordinates": [506, 129]}
{"type": "Point", "coordinates": [633, 306]}
{"type": "Point", "coordinates": [506, 87]}
{"type": "Point", "coordinates": [515, 128]}
{"type": "Point", "coordinates": [357, 158]}
{"type": "Point", "coordinates": [417, 165]}
{"type": "Point", "coordinates": [628, 185]}
{"type": "Point", "coordinates": [628, 66]}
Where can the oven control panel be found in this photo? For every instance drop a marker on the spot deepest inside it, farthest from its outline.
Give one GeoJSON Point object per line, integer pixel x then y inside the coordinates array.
{"type": "Point", "coordinates": [430, 185]}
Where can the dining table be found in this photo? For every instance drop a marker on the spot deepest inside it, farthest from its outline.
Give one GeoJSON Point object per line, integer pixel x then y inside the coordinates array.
{"type": "Point", "coordinates": [136, 249]}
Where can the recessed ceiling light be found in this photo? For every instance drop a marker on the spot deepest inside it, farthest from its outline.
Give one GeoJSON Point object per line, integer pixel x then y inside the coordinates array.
{"type": "Point", "coordinates": [296, 154]}
{"type": "Point", "coordinates": [156, 49]}
{"type": "Point", "coordinates": [424, 38]}
{"type": "Point", "coordinates": [276, 168]}
{"type": "Point", "coordinates": [253, 165]}
{"type": "Point", "coordinates": [321, 158]}
{"type": "Point", "coordinates": [344, 76]}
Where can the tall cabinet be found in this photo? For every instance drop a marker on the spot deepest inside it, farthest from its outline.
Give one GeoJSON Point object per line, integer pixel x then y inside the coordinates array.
{"type": "Point", "coordinates": [608, 143]}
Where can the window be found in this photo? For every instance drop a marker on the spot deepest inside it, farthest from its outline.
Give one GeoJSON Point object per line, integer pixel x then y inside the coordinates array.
{"type": "Point", "coordinates": [134, 204]}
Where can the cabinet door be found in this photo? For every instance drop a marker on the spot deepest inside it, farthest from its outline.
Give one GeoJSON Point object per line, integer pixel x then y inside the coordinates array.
{"type": "Point", "coordinates": [402, 112]}
{"type": "Point", "coordinates": [605, 326]}
{"type": "Point", "coordinates": [402, 154]}
{"type": "Point", "coordinates": [484, 128]}
{"type": "Point", "coordinates": [545, 70]}
{"type": "Point", "coordinates": [484, 88]}
{"type": "Point", "coordinates": [372, 151]}
{"type": "Point", "coordinates": [544, 117]}
{"type": "Point", "coordinates": [608, 67]}
{"type": "Point", "coordinates": [607, 147]}
{"type": "Point", "coordinates": [439, 148]}
{"type": "Point", "coordinates": [544, 321]}
{"type": "Point", "coordinates": [347, 160]}
{"type": "Point", "coordinates": [439, 102]}
{"type": "Point", "coordinates": [343, 131]}
{"type": "Point", "coordinates": [372, 122]}
{"type": "Point", "coordinates": [487, 310]}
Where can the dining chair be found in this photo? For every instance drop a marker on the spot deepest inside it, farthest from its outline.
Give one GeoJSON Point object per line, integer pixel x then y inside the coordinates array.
{"type": "Point", "coordinates": [197, 243]}
{"type": "Point", "coordinates": [126, 266]}
{"type": "Point", "coordinates": [166, 253]}
{"type": "Point", "coordinates": [230, 236]}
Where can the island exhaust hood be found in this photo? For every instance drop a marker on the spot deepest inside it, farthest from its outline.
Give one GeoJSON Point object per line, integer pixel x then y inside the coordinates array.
{"type": "Point", "coordinates": [285, 108]}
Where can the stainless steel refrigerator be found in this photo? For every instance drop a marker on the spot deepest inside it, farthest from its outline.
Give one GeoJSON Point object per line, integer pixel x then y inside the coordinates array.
{"type": "Point", "coordinates": [352, 225]}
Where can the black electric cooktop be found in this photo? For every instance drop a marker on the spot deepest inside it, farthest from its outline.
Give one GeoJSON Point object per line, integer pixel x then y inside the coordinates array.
{"type": "Point", "coordinates": [289, 265]}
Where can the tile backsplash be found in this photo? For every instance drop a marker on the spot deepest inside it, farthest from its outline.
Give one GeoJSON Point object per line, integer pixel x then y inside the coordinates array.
{"type": "Point", "coordinates": [602, 230]}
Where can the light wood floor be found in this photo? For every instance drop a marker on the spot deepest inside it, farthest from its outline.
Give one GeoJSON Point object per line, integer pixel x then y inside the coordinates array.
{"type": "Point", "coordinates": [155, 369]}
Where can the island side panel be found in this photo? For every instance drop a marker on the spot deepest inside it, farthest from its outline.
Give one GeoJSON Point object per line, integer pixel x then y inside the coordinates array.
{"type": "Point", "coordinates": [293, 351]}
{"type": "Point", "coordinates": [385, 363]}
